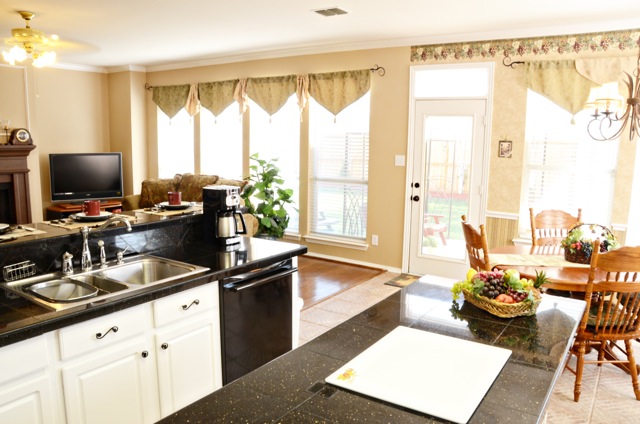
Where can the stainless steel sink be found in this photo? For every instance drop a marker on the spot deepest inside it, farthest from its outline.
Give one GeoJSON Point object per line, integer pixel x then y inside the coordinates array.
{"type": "Point", "coordinates": [147, 271]}
{"type": "Point", "coordinates": [59, 292]}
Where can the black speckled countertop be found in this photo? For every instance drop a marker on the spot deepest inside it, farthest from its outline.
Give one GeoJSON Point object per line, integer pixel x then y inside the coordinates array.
{"type": "Point", "coordinates": [291, 389]}
{"type": "Point", "coordinates": [179, 238]}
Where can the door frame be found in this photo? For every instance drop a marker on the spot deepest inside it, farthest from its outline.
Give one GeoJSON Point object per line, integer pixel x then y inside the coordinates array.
{"type": "Point", "coordinates": [490, 66]}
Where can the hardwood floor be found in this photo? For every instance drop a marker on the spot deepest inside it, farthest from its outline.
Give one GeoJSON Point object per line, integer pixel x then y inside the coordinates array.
{"type": "Point", "coordinates": [320, 279]}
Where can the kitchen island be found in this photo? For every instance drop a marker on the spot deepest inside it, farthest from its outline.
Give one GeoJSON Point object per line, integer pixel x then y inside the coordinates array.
{"type": "Point", "coordinates": [291, 389]}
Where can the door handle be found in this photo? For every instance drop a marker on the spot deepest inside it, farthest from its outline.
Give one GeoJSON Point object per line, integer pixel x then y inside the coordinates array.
{"type": "Point", "coordinates": [416, 198]}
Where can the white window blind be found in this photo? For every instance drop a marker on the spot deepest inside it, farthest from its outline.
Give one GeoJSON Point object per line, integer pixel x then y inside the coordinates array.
{"type": "Point", "coordinates": [339, 170]}
{"type": "Point", "coordinates": [278, 136]}
{"type": "Point", "coordinates": [221, 143]}
{"type": "Point", "coordinates": [175, 144]}
{"type": "Point", "coordinates": [565, 168]}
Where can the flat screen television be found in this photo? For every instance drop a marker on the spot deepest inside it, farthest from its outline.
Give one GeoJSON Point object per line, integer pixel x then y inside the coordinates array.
{"type": "Point", "coordinates": [76, 177]}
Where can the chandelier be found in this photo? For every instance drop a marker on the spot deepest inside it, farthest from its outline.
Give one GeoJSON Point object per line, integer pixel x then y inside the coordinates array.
{"type": "Point", "coordinates": [29, 42]}
{"type": "Point", "coordinates": [608, 125]}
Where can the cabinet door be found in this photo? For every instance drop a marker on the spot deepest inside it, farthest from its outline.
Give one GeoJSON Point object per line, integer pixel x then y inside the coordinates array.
{"type": "Point", "coordinates": [189, 366]}
{"type": "Point", "coordinates": [119, 386]}
{"type": "Point", "coordinates": [28, 402]}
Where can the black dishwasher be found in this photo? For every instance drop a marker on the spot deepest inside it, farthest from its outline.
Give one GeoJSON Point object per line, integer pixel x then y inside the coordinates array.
{"type": "Point", "coordinates": [256, 314]}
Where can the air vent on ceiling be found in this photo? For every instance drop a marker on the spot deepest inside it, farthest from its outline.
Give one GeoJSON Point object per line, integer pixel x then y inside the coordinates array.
{"type": "Point", "coordinates": [333, 11]}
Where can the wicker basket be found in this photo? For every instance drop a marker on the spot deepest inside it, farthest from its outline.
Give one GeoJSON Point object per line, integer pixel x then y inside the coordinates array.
{"type": "Point", "coordinates": [582, 257]}
{"type": "Point", "coordinates": [504, 310]}
{"type": "Point", "coordinates": [579, 257]}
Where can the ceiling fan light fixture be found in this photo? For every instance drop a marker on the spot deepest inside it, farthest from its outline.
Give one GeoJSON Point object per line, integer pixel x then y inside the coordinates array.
{"type": "Point", "coordinates": [29, 42]}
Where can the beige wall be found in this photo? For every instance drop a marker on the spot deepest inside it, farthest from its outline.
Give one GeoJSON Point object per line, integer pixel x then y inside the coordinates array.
{"type": "Point", "coordinates": [388, 133]}
{"type": "Point", "coordinates": [66, 111]}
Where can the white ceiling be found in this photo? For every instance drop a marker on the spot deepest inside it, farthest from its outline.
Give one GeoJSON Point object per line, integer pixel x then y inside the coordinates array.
{"type": "Point", "coordinates": [158, 34]}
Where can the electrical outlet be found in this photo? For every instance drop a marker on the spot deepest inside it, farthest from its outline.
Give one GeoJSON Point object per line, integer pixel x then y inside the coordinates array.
{"type": "Point", "coordinates": [374, 240]}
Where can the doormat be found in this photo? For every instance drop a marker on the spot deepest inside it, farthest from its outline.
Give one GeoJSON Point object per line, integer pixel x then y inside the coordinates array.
{"type": "Point", "coordinates": [402, 280]}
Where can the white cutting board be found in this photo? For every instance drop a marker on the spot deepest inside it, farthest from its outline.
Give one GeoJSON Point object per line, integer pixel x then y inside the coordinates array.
{"type": "Point", "coordinates": [438, 375]}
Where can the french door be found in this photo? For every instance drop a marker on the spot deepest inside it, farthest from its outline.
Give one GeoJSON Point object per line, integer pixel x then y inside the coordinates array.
{"type": "Point", "coordinates": [447, 182]}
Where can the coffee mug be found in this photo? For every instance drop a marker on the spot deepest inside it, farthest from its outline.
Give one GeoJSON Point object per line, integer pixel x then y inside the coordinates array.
{"type": "Point", "coordinates": [91, 207]}
{"type": "Point", "coordinates": [175, 197]}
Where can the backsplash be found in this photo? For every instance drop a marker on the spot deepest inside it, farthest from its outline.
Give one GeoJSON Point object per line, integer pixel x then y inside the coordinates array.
{"type": "Point", "coordinates": [47, 253]}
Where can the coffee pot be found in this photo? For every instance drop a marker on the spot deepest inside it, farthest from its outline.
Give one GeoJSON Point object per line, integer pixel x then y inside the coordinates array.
{"type": "Point", "coordinates": [221, 212]}
{"type": "Point", "coordinates": [227, 225]}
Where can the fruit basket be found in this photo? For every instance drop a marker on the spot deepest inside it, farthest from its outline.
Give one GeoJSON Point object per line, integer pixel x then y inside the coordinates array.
{"type": "Point", "coordinates": [505, 310]}
{"type": "Point", "coordinates": [578, 244]}
{"type": "Point", "coordinates": [504, 295]}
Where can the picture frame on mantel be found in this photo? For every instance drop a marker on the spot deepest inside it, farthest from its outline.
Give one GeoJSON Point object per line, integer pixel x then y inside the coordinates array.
{"type": "Point", "coordinates": [505, 149]}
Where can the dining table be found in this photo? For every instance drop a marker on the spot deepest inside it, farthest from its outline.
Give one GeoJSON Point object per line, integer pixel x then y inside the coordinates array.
{"type": "Point", "coordinates": [562, 275]}
{"type": "Point", "coordinates": [564, 278]}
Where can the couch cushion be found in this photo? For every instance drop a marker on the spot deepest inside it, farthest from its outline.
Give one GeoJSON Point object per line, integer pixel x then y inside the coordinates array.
{"type": "Point", "coordinates": [235, 183]}
{"type": "Point", "coordinates": [155, 191]}
{"type": "Point", "coordinates": [191, 186]}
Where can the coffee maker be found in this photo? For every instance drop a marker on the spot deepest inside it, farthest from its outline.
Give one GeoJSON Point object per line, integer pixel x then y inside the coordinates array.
{"type": "Point", "coordinates": [220, 205]}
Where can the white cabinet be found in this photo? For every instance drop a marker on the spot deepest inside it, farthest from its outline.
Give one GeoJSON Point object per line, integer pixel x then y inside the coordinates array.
{"type": "Point", "coordinates": [188, 347]}
{"type": "Point", "coordinates": [134, 366]}
{"type": "Point", "coordinates": [110, 372]}
{"type": "Point", "coordinates": [27, 392]}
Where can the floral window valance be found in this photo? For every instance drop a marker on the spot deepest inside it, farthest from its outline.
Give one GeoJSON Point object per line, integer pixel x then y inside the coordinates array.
{"type": "Point", "coordinates": [337, 90]}
{"type": "Point", "coordinates": [594, 42]}
{"type": "Point", "coordinates": [334, 90]}
{"type": "Point", "coordinates": [217, 96]}
{"type": "Point", "coordinates": [559, 81]}
{"type": "Point", "coordinates": [171, 98]}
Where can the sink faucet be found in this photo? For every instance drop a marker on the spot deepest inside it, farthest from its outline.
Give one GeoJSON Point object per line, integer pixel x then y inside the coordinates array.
{"type": "Point", "coordinates": [86, 254]}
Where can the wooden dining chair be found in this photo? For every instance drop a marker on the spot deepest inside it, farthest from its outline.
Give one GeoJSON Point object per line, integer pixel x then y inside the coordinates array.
{"type": "Point", "coordinates": [550, 227]}
{"type": "Point", "coordinates": [612, 317]}
{"type": "Point", "coordinates": [477, 246]}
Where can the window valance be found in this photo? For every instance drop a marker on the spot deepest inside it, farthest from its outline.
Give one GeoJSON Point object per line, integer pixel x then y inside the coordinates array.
{"type": "Point", "coordinates": [337, 90]}
{"type": "Point", "coordinates": [217, 96]}
{"type": "Point", "coordinates": [171, 98]}
{"type": "Point", "coordinates": [560, 82]}
{"type": "Point", "coordinates": [334, 91]}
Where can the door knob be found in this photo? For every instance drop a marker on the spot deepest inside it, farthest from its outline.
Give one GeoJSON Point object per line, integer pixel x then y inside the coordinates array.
{"type": "Point", "coordinates": [415, 198]}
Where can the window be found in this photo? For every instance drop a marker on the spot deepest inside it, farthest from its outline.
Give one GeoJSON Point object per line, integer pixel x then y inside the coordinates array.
{"type": "Point", "coordinates": [175, 144]}
{"type": "Point", "coordinates": [339, 170]}
{"type": "Point", "coordinates": [278, 136]}
{"type": "Point", "coordinates": [221, 143]}
{"type": "Point", "coordinates": [564, 167]}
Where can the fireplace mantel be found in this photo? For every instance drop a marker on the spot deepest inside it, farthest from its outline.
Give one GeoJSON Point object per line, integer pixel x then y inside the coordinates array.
{"type": "Point", "coordinates": [15, 204]}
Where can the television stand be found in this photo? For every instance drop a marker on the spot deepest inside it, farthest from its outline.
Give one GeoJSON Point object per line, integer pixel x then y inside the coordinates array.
{"type": "Point", "coordinates": [63, 210]}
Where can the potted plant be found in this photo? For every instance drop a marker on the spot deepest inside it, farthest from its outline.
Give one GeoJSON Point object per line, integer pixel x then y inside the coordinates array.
{"type": "Point", "coordinates": [265, 199]}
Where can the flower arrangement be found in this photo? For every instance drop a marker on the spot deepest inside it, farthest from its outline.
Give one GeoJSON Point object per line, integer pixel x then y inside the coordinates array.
{"type": "Point", "coordinates": [578, 245]}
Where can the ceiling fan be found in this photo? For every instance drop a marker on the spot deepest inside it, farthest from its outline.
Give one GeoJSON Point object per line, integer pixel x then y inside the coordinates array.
{"type": "Point", "coordinates": [30, 42]}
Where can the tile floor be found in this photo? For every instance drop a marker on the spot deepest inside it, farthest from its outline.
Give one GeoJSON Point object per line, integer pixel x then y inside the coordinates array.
{"type": "Point", "coordinates": [607, 394]}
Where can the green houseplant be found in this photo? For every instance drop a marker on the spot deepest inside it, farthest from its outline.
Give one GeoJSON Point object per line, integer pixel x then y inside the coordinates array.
{"type": "Point", "coordinates": [265, 198]}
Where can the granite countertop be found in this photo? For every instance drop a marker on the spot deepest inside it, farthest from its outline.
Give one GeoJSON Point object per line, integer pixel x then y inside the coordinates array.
{"type": "Point", "coordinates": [291, 389]}
{"type": "Point", "coordinates": [21, 319]}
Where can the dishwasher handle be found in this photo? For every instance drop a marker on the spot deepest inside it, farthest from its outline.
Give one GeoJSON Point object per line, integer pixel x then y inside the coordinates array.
{"type": "Point", "coordinates": [244, 284]}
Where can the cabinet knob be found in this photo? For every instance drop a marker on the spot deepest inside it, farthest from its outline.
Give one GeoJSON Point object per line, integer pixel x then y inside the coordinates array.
{"type": "Point", "coordinates": [145, 353]}
{"type": "Point", "coordinates": [415, 198]}
{"type": "Point", "coordinates": [164, 346]}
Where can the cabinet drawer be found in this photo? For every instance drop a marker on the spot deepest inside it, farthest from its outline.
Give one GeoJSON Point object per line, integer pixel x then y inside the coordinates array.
{"type": "Point", "coordinates": [185, 304]}
{"type": "Point", "coordinates": [23, 358]}
{"type": "Point", "coordinates": [102, 332]}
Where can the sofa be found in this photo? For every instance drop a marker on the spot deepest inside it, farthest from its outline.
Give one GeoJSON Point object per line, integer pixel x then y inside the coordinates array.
{"type": "Point", "coordinates": [155, 191]}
